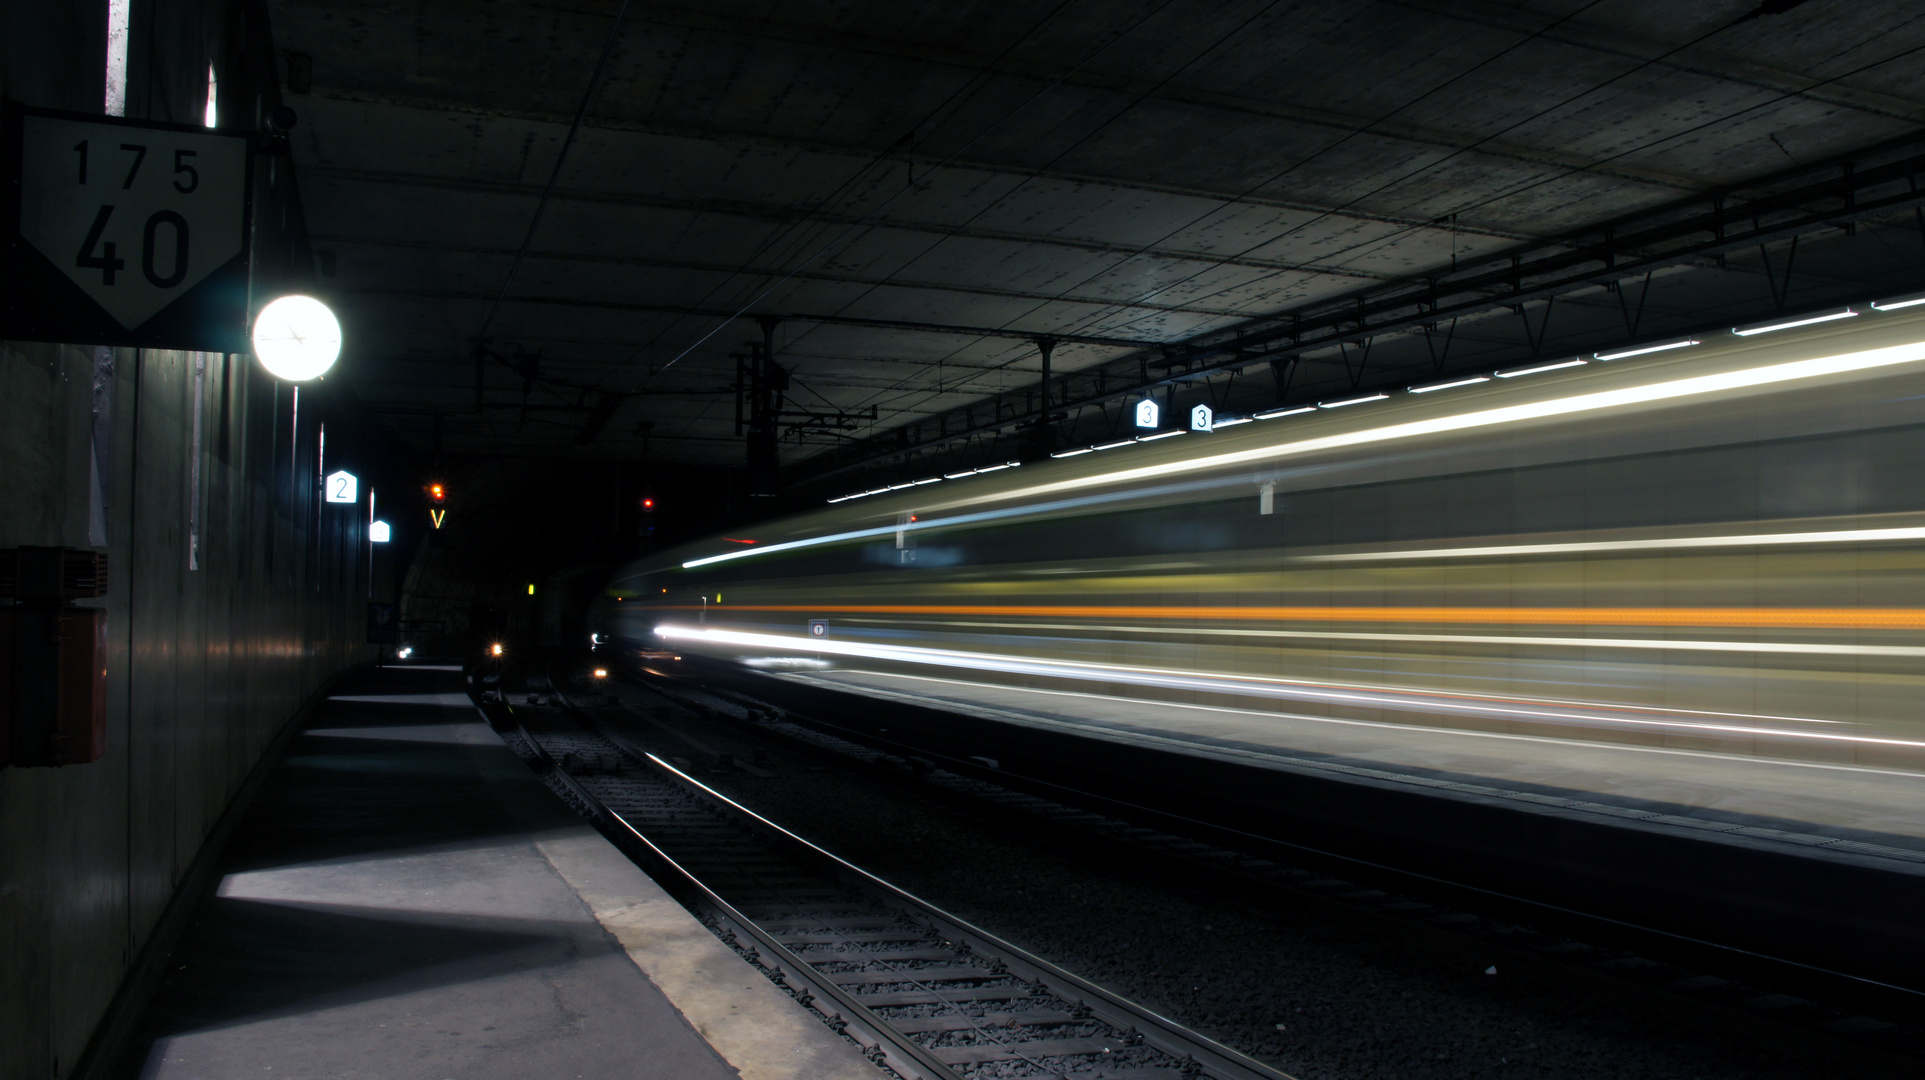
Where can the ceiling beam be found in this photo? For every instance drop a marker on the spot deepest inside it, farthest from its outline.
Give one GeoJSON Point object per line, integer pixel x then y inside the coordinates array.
{"type": "Point", "coordinates": [1054, 243]}
{"type": "Point", "coordinates": [903, 325]}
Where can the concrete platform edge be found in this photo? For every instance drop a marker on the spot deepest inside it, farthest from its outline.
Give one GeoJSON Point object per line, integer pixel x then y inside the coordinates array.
{"type": "Point", "coordinates": [755, 1027]}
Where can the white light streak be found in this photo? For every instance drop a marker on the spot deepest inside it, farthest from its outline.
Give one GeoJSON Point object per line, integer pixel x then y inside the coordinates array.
{"type": "Point", "coordinates": [1574, 405]}
{"type": "Point", "coordinates": [931, 480]}
{"type": "Point", "coordinates": [1274, 413]}
{"type": "Point", "coordinates": [1766, 328]}
{"type": "Point", "coordinates": [1682, 343]}
{"type": "Point", "coordinates": [1072, 453]}
{"type": "Point", "coordinates": [1233, 421]}
{"type": "Point", "coordinates": [1670, 543]}
{"type": "Point", "coordinates": [1559, 366]}
{"type": "Point", "coordinates": [1335, 694]}
{"type": "Point", "coordinates": [1796, 648]}
{"type": "Point", "coordinates": [1114, 445]}
{"type": "Point", "coordinates": [1454, 384]}
{"type": "Point", "coordinates": [1160, 435]}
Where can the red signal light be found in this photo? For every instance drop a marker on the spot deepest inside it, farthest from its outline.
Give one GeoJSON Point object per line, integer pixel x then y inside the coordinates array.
{"type": "Point", "coordinates": [437, 494]}
{"type": "Point", "coordinates": [648, 505]}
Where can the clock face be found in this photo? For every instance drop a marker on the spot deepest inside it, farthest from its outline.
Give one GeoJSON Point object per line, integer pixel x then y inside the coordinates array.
{"type": "Point", "coordinates": [297, 338]}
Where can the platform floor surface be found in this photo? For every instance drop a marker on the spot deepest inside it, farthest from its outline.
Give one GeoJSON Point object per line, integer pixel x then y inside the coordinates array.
{"type": "Point", "coordinates": [386, 909]}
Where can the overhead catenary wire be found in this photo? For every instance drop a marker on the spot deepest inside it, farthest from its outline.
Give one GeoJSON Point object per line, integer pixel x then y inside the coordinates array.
{"type": "Point", "coordinates": [1483, 200]}
{"type": "Point", "coordinates": [1364, 248]}
{"type": "Point", "coordinates": [974, 81]}
{"type": "Point", "coordinates": [1032, 174]}
{"type": "Point", "coordinates": [554, 174]}
{"type": "Point", "coordinates": [1237, 199]}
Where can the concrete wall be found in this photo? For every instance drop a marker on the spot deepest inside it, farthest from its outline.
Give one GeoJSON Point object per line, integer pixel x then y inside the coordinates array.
{"type": "Point", "coordinates": [208, 658]}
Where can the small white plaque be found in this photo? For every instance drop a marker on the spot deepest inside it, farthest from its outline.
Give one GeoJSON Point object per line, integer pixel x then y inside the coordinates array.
{"type": "Point", "coordinates": [342, 487]}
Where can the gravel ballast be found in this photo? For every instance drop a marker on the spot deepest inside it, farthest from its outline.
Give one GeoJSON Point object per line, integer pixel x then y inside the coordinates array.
{"type": "Point", "coordinates": [1312, 988]}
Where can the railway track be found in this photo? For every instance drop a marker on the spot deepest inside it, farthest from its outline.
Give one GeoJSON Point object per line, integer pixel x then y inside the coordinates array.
{"type": "Point", "coordinates": [925, 993]}
{"type": "Point", "coordinates": [1746, 988]}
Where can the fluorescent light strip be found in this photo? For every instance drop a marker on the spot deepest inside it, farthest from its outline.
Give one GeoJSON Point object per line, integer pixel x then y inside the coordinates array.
{"type": "Point", "coordinates": [993, 468]}
{"type": "Point", "coordinates": [1433, 387]}
{"type": "Point", "coordinates": [1842, 536]}
{"type": "Point", "coordinates": [1159, 435]}
{"type": "Point", "coordinates": [896, 487]}
{"type": "Point", "coordinates": [1643, 349]}
{"type": "Point", "coordinates": [1351, 401]}
{"type": "Point", "coordinates": [1072, 453]}
{"type": "Point", "coordinates": [1560, 365]}
{"type": "Point", "coordinates": [1574, 405]}
{"type": "Point", "coordinates": [1232, 422]}
{"type": "Point", "coordinates": [1899, 302]}
{"type": "Point", "coordinates": [1766, 328]}
{"type": "Point", "coordinates": [1417, 701]}
{"type": "Point", "coordinates": [1114, 445]}
{"type": "Point", "coordinates": [1274, 413]}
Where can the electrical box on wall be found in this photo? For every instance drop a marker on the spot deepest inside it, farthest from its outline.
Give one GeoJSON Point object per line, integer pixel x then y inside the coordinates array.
{"type": "Point", "coordinates": [53, 657]}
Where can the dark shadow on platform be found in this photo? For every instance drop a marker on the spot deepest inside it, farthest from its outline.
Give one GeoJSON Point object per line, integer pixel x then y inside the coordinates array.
{"type": "Point", "coordinates": [249, 960]}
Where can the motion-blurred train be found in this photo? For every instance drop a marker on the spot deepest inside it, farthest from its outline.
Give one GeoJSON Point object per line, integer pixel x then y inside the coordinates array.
{"type": "Point", "coordinates": [1702, 545]}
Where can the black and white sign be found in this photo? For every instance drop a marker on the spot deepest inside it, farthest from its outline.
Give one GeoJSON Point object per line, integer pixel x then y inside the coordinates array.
{"type": "Point", "coordinates": [125, 233]}
{"type": "Point", "coordinates": [341, 487]}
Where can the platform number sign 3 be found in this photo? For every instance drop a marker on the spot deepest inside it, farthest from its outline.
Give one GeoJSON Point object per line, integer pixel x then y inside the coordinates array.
{"type": "Point", "coordinates": [135, 216]}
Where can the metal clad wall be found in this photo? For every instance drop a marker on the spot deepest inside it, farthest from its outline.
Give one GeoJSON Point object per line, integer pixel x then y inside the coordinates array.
{"type": "Point", "coordinates": [205, 664]}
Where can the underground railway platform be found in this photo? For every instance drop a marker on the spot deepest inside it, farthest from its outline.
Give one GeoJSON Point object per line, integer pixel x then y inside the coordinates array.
{"type": "Point", "coordinates": [1114, 541]}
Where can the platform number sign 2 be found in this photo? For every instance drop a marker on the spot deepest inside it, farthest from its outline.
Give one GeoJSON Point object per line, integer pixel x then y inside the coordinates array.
{"type": "Point", "coordinates": [140, 219]}
{"type": "Point", "coordinates": [341, 487]}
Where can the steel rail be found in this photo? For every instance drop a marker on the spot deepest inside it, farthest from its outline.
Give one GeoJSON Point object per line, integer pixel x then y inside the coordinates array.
{"type": "Point", "coordinates": [1158, 1032]}
{"type": "Point", "coordinates": [898, 1051]}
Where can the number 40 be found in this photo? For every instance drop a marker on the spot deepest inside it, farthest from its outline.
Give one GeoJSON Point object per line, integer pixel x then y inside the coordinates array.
{"type": "Point", "coordinates": [104, 257]}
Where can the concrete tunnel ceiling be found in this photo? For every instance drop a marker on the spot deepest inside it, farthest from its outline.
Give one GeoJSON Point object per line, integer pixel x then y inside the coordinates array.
{"type": "Point", "coordinates": [920, 190]}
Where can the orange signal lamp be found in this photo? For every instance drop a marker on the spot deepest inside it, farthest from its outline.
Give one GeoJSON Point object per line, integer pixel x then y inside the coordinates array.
{"type": "Point", "coordinates": [437, 494]}
{"type": "Point", "coordinates": [601, 673]}
{"type": "Point", "coordinates": [495, 649]}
